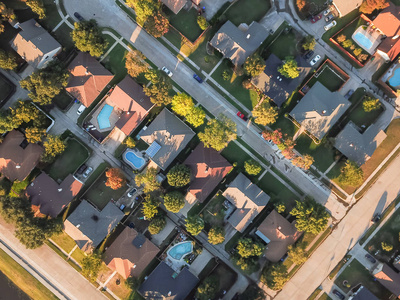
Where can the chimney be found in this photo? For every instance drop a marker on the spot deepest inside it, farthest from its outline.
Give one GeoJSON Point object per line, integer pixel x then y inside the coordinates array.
{"type": "Point", "coordinates": [79, 225]}
{"type": "Point", "coordinates": [86, 71]}
{"type": "Point", "coordinates": [351, 145]}
{"type": "Point", "coordinates": [324, 112]}
{"type": "Point", "coordinates": [248, 36]}
{"type": "Point", "coordinates": [279, 227]}
{"type": "Point", "coordinates": [18, 167]}
{"type": "Point", "coordinates": [59, 190]}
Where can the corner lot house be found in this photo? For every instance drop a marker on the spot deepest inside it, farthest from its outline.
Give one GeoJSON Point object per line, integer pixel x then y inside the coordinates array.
{"type": "Point", "coordinates": [87, 79]}
{"type": "Point", "coordinates": [130, 253]}
{"type": "Point", "coordinates": [50, 197]}
{"type": "Point", "coordinates": [35, 45]}
{"type": "Point", "coordinates": [238, 43]}
{"type": "Point", "coordinates": [279, 234]}
{"type": "Point", "coordinates": [319, 110]}
{"type": "Point", "coordinates": [358, 146]}
{"type": "Point", "coordinates": [174, 5]}
{"type": "Point", "coordinates": [164, 283]}
{"type": "Point", "coordinates": [208, 168]}
{"type": "Point", "coordinates": [277, 87]}
{"type": "Point", "coordinates": [88, 226]}
{"type": "Point", "coordinates": [389, 278]}
{"type": "Point", "coordinates": [343, 7]}
{"type": "Point", "coordinates": [18, 157]}
{"type": "Point", "coordinates": [167, 135]}
{"type": "Point", "coordinates": [248, 199]}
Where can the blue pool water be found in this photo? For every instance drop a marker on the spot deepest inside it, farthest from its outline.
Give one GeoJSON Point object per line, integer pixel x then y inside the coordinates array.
{"type": "Point", "coordinates": [135, 160]}
{"type": "Point", "coordinates": [181, 249]}
{"type": "Point", "coordinates": [394, 81]}
{"type": "Point", "coordinates": [104, 116]}
{"type": "Point", "coordinates": [362, 40]}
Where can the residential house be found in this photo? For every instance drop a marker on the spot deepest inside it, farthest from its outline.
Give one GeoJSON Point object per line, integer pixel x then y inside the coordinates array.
{"type": "Point", "coordinates": [278, 233]}
{"type": "Point", "coordinates": [389, 278]}
{"type": "Point", "coordinates": [363, 294]}
{"type": "Point", "coordinates": [130, 253]}
{"type": "Point", "coordinates": [48, 197]}
{"type": "Point", "coordinates": [208, 168]}
{"type": "Point", "coordinates": [35, 45]}
{"type": "Point", "coordinates": [358, 146]}
{"type": "Point", "coordinates": [343, 7]}
{"type": "Point", "coordinates": [18, 157]}
{"type": "Point", "coordinates": [319, 110]}
{"type": "Point", "coordinates": [87, 78]}
{"type": "Point", "coordinates": [167, 136]}
{"type": "Point", "coordinates": [89, 226]}
{"type": "Point", "coordinates": [277, 87]}
{"type": "Point", "coordinates": [248, 199]}
{"type": "Point", "coordinates": [165, 283]}
{"type": "Point", "coordinates": [238, 43]}
{"type": "Point", "coordinates": [174, 5]}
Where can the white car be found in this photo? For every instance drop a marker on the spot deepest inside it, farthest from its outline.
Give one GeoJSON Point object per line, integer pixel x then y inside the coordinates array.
{"type": "Point", "coordinates": [168, 72]}
{"type": "Point", "coordinates": [81, 109]}
{"type": "Point", "coordinates": [87, 172]}
{"type": "Point", "coordinates": [315, 60]}
{"type": "Point", "coordinates": [328, 11]}
{"type": "Point", "coordinates": [330, 25]}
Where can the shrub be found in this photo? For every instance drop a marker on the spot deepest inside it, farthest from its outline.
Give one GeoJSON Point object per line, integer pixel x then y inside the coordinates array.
{"type": "Point", "coordinates": [386, 247]}
{"type": "Point", "coordinates": [341, 38]}
{"type": "Point", "coordinates": [252, 167]}
{"type": "Point", "coordinates": [202, 22]}
{"type": "Point", "coordinates": [156, 225]}
{"type": "Point", "coordinates": [357, 51]}
{"type": "Point", "coordinates": [370, 104]}
{"type": "Point", "coordinates": [347, 43]}
{"type": "Point", "coordinates": [226, 75]}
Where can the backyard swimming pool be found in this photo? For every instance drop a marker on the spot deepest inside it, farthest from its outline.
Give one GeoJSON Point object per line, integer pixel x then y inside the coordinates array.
{"type": "Point", "coordinates": [394, 81]}
{"type": "Point", "coordinates": [104, 116]}
{"type": "Point", "coordinates": [135, 161]}
{"type": "Point", "coordinates": [180, 250]}
{"type": "Point", "coordinates": [362, 40]}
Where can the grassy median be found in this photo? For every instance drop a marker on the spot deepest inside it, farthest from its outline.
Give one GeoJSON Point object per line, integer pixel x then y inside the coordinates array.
{"type": "Point", "coordinates": [22, 279]}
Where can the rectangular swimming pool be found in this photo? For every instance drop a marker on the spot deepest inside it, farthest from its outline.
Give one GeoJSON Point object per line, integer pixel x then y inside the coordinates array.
{"type": "Point", "coordinates": [104, 116]}
{"type": "Point", "coordinates": [362, 40]}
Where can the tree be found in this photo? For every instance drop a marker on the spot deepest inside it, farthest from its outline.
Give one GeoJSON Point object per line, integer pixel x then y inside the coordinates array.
{"type": "Point", "coordinates": [254, 65]}
{"type": "Point", "coordinates": [386, 247]}
{"type": "Point", "coordinates": [33, 232]}
{"type": "Point", "coordinates": [150, 207]}
{"type": "Point", "coordinates": [309, 43]}
{"type": "Point", "coordinates": [157, 25]}
{"type": "Point", "coordinates": [179, 176]}
{"type": "Point", "coordinates": [24, 112]}
{"type": "Point", "coordinates": [34, 134]}
{"type": "Point", "coordinates": [371, 104]}
{"type": "Point", "coordinates": [6, 13]}
{"type": "Point", "coordinates": [37, 7]}
{"type": "Point", "coordinates": [341, 38]}
{"type": "Point", "coordinates": [208, 288]}
{"type": "Point", "coordinates": [158, 91]}
{"type": "Point", "coordinates": [182, 104]}
{"type": "Point", "coordinates": [351, 174]}
{"type": "Point", "coordinates": [15, 210]}
{"type": "Point", "coordinates": [115, 178]}
{"type": "Point", "coordinates": [148, 180]}
{"type": "Point", "coordinates": [91, 266]}
{"type": "Point", "coordinates": [156, 225]}
{"type": "Point", "coordinates": [196, 116]}
{"type": "Point", "coordinates": [248, 265]}
{"type": "Point", "coordinates": [194, 225]}
{"type": "Point", "coordinates": [53, 146]}
{"type": "Point", "coordinates": [310, 216]}
{"type": "Point", "coordinates": [202, 22]}
{"type": "Point", "coordinates": [46, 83]}
{"type": "Point", "coordinates": [130, 142]}
{"type": "Point", "coordinates": [298, 254]}
{"type": "Point", "coordinates": [275, 277]}
{"type": "Point", "coordinates": [357, 51]}
{"type": "Point", "coordinates": [226, 75]}
{"type": "Point", "coordinates": [362, 57]}
{"type": "Point", "coordinates": [247, 247]}
{"type": "Point", "coordinates": [289, 69]}
{"type": "Point", "coordinates": [143, 9]}
{"type": "Point", "coordinates": [253, 292]}
{"type": "Point", "coordinates": [368, 6]}
{"type": "Point", "coordinates": [88, 38]}
{"type": "Point", "coordinates": [216, 235]}
{"type": "Point", "coordinates": [252, 167]}
{"type": "Point", "coordinates": [304, 162]}
{"type": "Point", "coordinates": [174, 201]}
{"type": "Point", "coordinates": [218, 133]}
{"type": "Point", "coordinates": [135, 63]}
{"type": "Point", "coordinates": [274, 136]}
{"type": "Point", "coordinates": [8, 61]}
{"type": "Point", "coordinates": [347, 43]}
{"type": "Point", "coordinates": [280, 207]}
{"type": "Point", "coordinates": [265, 114]}
{"type": "Point", "coordinates": [7, 123]}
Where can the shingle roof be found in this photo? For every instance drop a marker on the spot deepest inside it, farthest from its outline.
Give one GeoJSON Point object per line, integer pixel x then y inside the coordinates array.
{"type": "Point", "coordinates": [346, 6]}
{"type": "Point", "coordinates": [357, 146]}
{"type": "Point", "coordinates": [279, 233]}
{"type": "Point", "coordinates": [171, 134]}
{"type": "Point", "coordinates": [319, 110]}
{"type": "Point", "coordinates": [208, 169]}
{"type": "Point", "coordinates": [249, 200]}
{"type": "Point", "coordinates": [16, 162]}
{"type": "Point", "coordinates": [279, 89]}
{"type": "Point", "coordinates": [363, 294]}
{"type": "Point", "coordinates": [88, 226]}
{"type": "Point", "coordinates": [164, 283]}
{"type": "Point", "coordinates": [389, 278]}
{"type": "Point", "coordinates": [174, 5]}
{"type": "Point", "coordinates": [88, 78]}
{"type": "Point", "coordinates": [236, 44]}
{"type": "Point", "coordinates": [50, 196]}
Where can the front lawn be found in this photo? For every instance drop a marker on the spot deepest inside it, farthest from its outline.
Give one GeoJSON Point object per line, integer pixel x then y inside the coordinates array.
{"type": "Point", "coordinates": [115, 62]}
{"type": "Point", "coordinates": [247, 11]}
{"type": "Point", "coordinates": [285, 45]}
{"type": "Point", "coordinates": [64, 241]}
{"type": "Point", "coordinates": [186, 23]}
{"type": "Point", "coordinates": [63, 36]}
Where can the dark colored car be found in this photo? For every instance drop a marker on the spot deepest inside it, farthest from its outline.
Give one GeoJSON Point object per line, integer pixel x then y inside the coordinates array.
{"type": "Point", "coordinates": [348, 94]}
{"type": "Point", "coordinates": [316, 18]}
{"type": "Point", "coordinates": [78, 16]}
{"type": "Point", "coordinates": [195, 76]}
{"type": "Point", "coordinates": [308, 55]}
{"type": "Point", "coordinates": [242, 116]}
{"type": "Point", "coordinates": [328, 18]}
{"type": "Point", "coordinates": [370, 258]}
{"type": "Point", "coordinates": [132, 192]}
{"type": "Point", "coordinates": [81, 169]}
{"type": "Point", "coordinates": [338, 294]}
{"type": "Point", "coordinates": [376, 218]}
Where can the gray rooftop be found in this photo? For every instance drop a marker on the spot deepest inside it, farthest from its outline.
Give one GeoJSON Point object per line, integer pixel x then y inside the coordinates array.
{"type": "Point", "coordinates": [319, 110]}
{"type": "Point", "coordinates": [88, 226]}
{"type": "Point", "coordinates": [363, 294]}
{"type": "Point", "coordinates": [357, 146]}
{"type": "Point", "coordinates": [276, 86]}
{"type": "Point", "coordinates": [238, 43]}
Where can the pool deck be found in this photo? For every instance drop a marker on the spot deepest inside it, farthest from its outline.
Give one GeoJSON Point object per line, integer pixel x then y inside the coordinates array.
{"type": "Point", "coordinates": [373, 35]}
{"type": "Point", "coordinates": [138, 153]}
{"type": "Point", "coordinates": [114, 117]}
{"type": "Point", "coordinates": [390, 73]}
{"type": "Point", "coordinates": [175, 264]}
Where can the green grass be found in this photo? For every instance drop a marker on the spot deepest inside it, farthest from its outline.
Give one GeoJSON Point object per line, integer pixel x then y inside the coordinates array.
{"type": "Point", "coordinates": [64, 241]}
{"type": "Point", "coordinates": [115, 62]}
{"type": "Point", "coordinates": [360, 117]}
{"type": "Point", "coordinates": [227, 277]}
{"type": "Point", "coordinates": [186, 23]}
{"type": "Point", "coordinates": [314, 294]}
{"type": "Point", "coordinates": [340, 265]}
{"type": "Point", "coordinates": [52, 15]}
{"type": "Point", "coordinates": [214, 213]}
{"type": "Point", "coordinates": [5, 88]}
{"type": "Point", "coordinates": [63, 100]}
{"type": "Point", "coordinates": [248, 98]}
{"type": "Point", "coordinates": [325, 296]}
{"type": "Point", "coordinates": [18, 187]}
{"type": "Point", "coordinates": [63, 36]}
{"type": "Point", "coordinates": [69, 161]}
{"type": "Point", "coordinates": [233, 241]}
{"type": "Point", "coordinates": [247, 11]}
{"type": "Point", "coordinates": [285, 45]}
{"type": "Point", "coordinates": [78, 255]}
{"type": "Point", "coordinates": [356, 273]}
{"type": "Point", "coordinates": [328, 79]}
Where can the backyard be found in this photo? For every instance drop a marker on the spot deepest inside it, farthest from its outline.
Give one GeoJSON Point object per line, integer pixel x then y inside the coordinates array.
{"type": "Point", "coordinates": [63, 100]}
{"type": "Point", "coordinates": [362, 118]}
{"type": "Point", "coordinates": [328, 78]}
{"type": "Point", "coordinates": [247, 11]}
{"type": "Point", "coordinates": [227, 278]}
{"type": "Point", "coordinates": [286, 44]}
{"type": "Point", "coordinates": [214, 212]}
{"type": "Point", "coordinates": [186, 23]}
{"type": "Point", "coordinates": [5, 88]}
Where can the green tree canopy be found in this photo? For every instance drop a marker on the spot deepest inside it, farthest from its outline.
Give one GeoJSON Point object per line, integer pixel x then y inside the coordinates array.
{"type": "Point", "coordinates": [247, 247]}
{"type": "Point", "coordinates": [218, 133]}
{"type": "Point", "coordinates": [265, 114]}
{"type": "Point", "coordinates": [194, 225]}
{"type": "Point", "coordinates": [88, 38]}
{"type": "Point", "coordinates": [298, 253]}
{"type": "Point", "coordinates": [351, 174]}
{"type": "Point", "coordinates": [8, 61]}
{"type": "Point", "coordinates": [15, 210]}
{"type": "Point", "coordinates": [196, 116]}
{"type": "Point", "coordinates": [144, 9]}
{"type": "Point", "coordinates": [309, 43]}
{"type": "Point", "coordinates": [174, 201]}
{"type": "Point", "coordinates": [182, 104]}
{"type": "Point", "coordinates": [248, 265]}
{"type": "Point", "coordinates": [158, 91]}
{"type": "Point", "coordinates": [148, 180]}
{"type": "Point", "coordinates": [53, 146]}
{"type": "Point", "coordinates": [34, 134]}
{"type": "Point", "coordinates": [150, 207]}
{"type": "Point", "coordinates": [135, 63]}
{"type": "Point", "coordinates": [91, 266]}
{"type": "Point", "coordinates": [24, 112]}
{"type": "Point", "coordinates": [37, 7]}
{"type": "Point", "coordinates": [208, 288]}
{"type": "Point", "coordinates": [310, 216]}
{"type": "Point", "coordinates": [179, 175]}
{"type": "Point", "coordinates": [254, 65]}
{"type": "Point", "coordinates": [370, 104]}
{"type": "Point", "coordinates": [202, 22]}
{"type": "Point", "coordinates": [368, 6]}
{"type": "Point", "coordinates": [252, 167]}
{"type": "Point", "coordinates": [289, 69]}
{"type": "Point", "coordinates": [275, 276]}
{"type": "Point", "coordinates": [156, 225]}
{"type": "Point", "coordinates": [216, 235]}
{"type": "Point", "coordinates": [130, 142]}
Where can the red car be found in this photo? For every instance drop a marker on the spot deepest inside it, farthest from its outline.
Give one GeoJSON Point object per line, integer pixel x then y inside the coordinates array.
{"type": "Point", "coordinates": [316, 18]}
{"type": "Point", "coordinates": [241, 115]}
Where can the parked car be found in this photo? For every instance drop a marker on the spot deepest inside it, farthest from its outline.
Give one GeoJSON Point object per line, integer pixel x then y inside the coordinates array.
{"type": "Point", "coordinates": [315, 60]}
{"type": "Point", "coordinates": [87, 172]}
{"type": "Point", "coordinates": [81, 109]}
{"type": "Point", "coordinates": [316, 18]}
{"type": "Point", "coordinates": [195, 76]}
{"type": "Point", "coordinates": [330, 25]}
{"type": "Point", "coordinates": [78, 16]}
{"type": "Point", "coordinates": [308, 54]}
{"type": "Point", "coordinates": [132, 192]}
{"type": "Point", "coordinates": [168, 72]}
{"type": "Point", "coordinates": [348, 94]}
{"type": "Point", "coordinates": [81, 169]}
{"type": "Point", "coordinates": [370, 258]}
{"type": "Point", "coordinates": [327, 12]}
{"type": "Point", "coordinates": [338, 294]}
{"type": "Point", "coordinates": [242, 116]}
{"type": "Point", "coordinates": [329, 17]}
